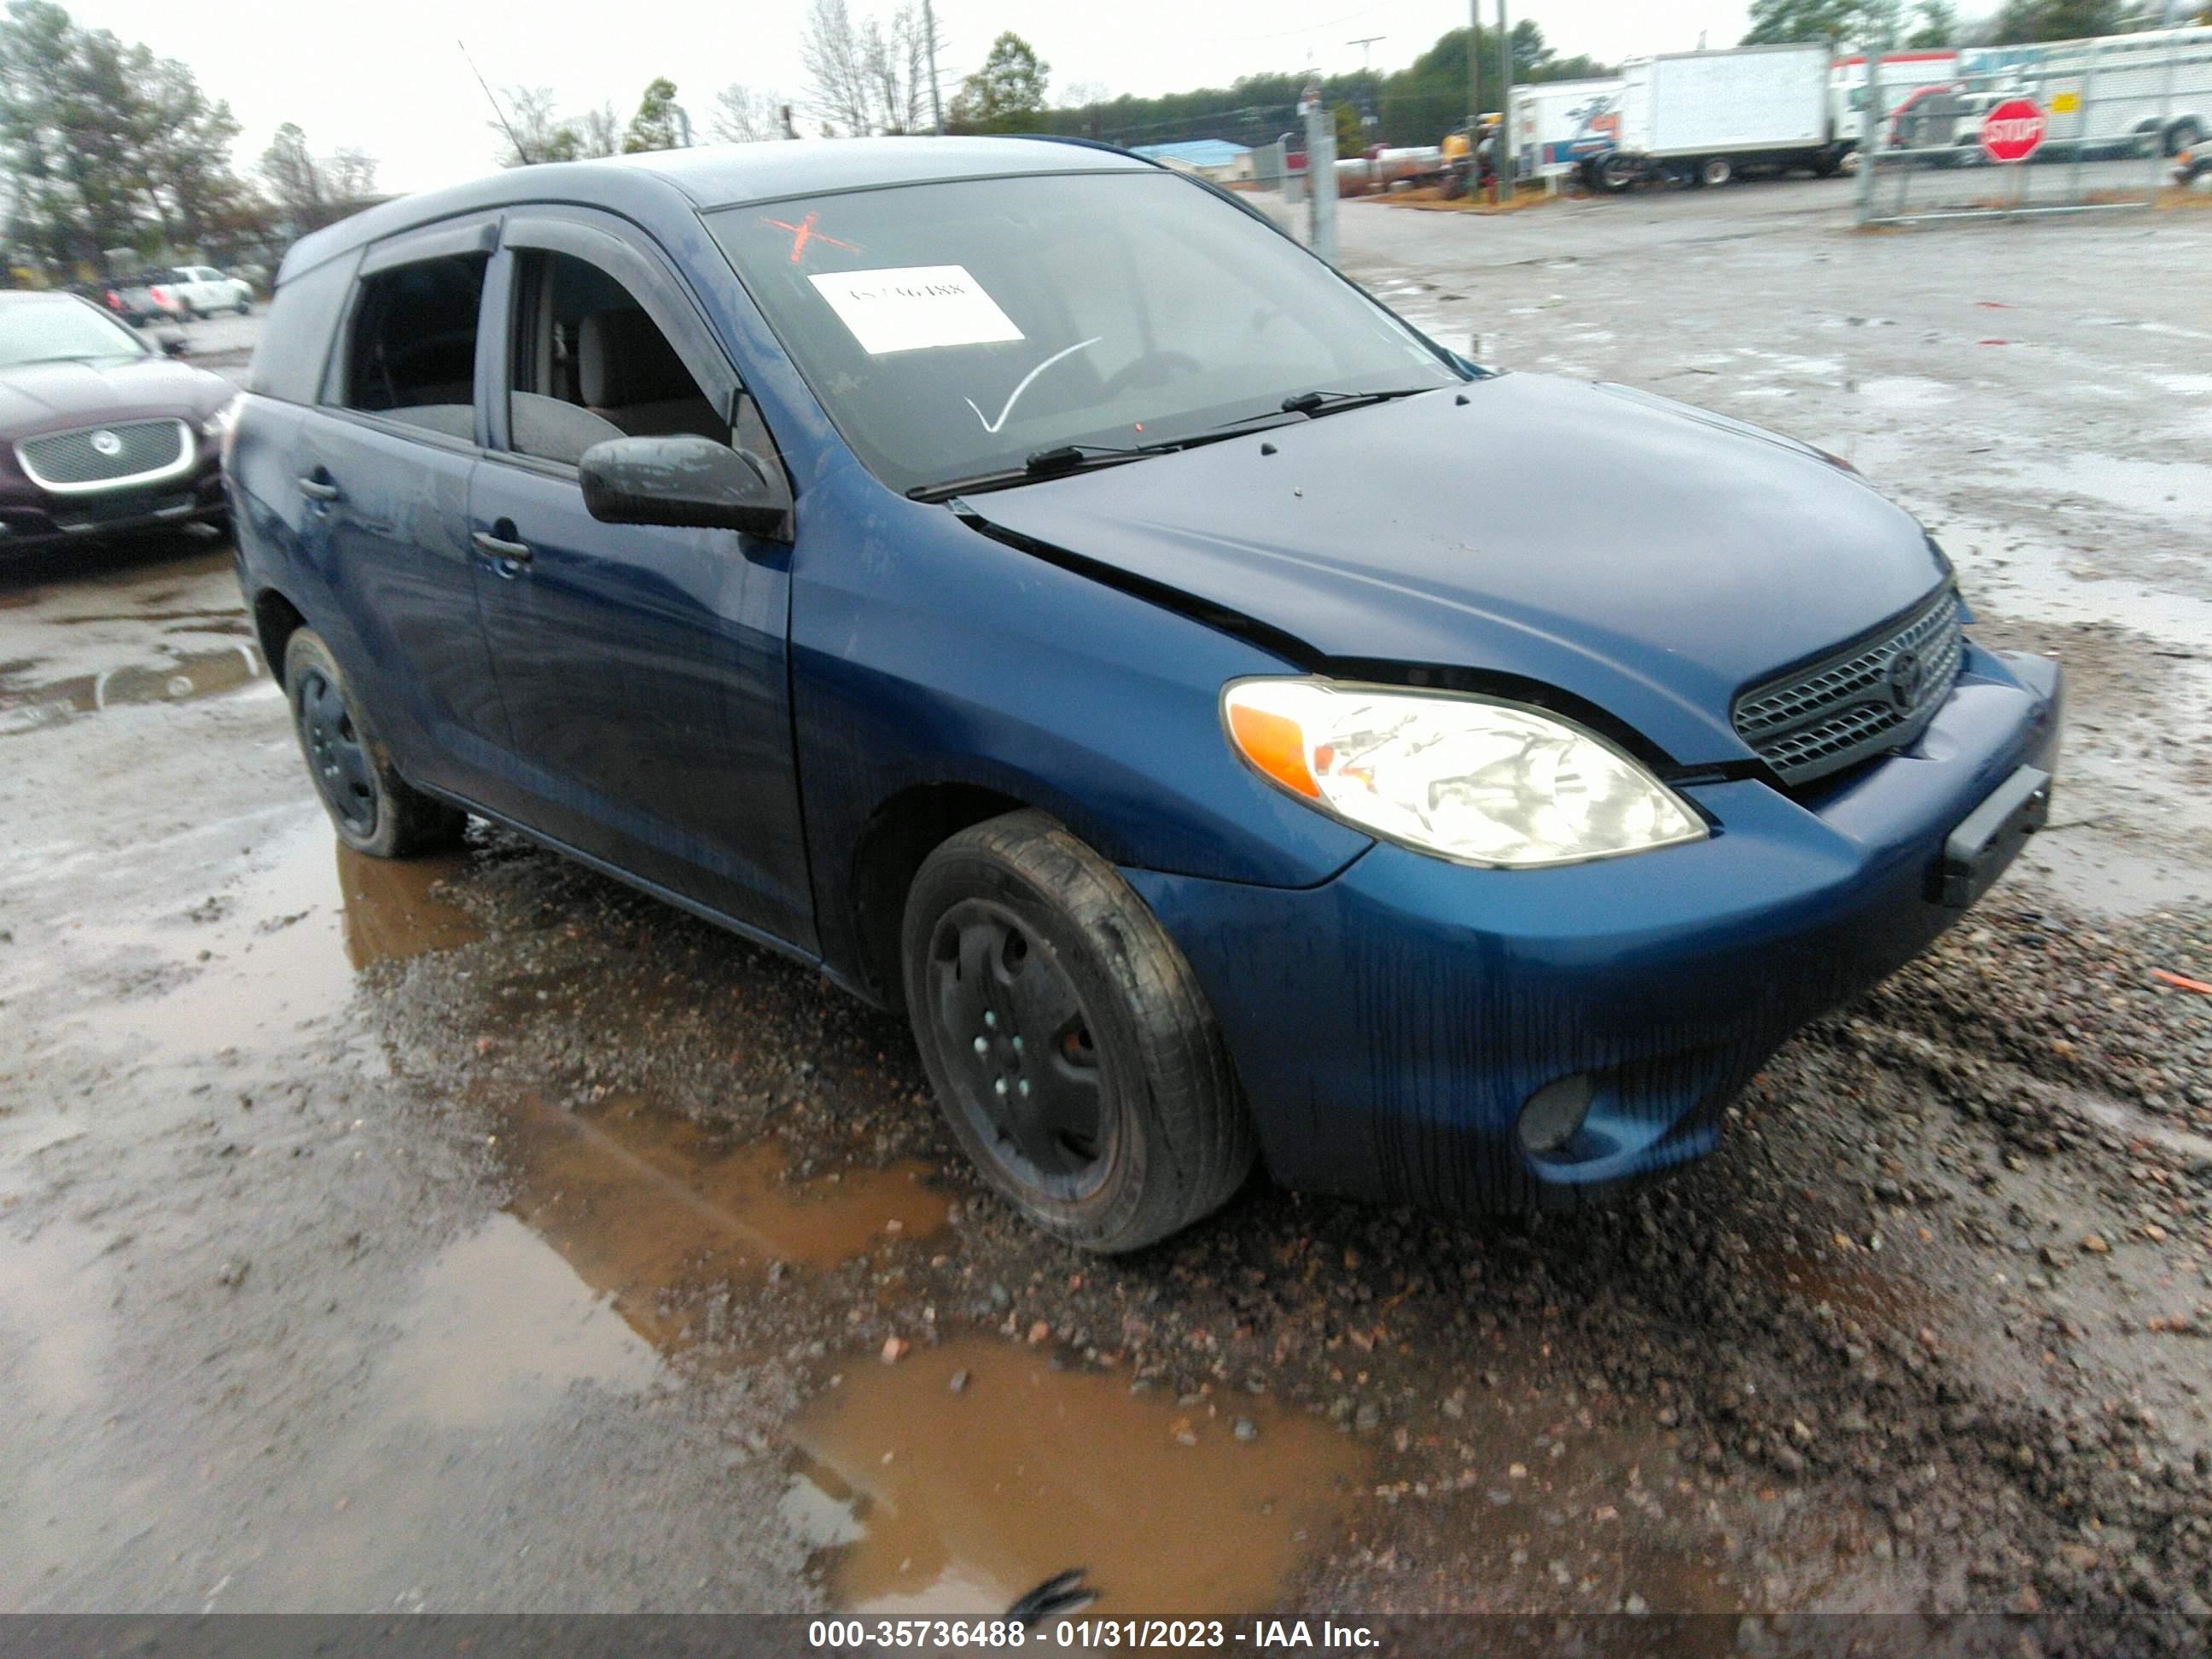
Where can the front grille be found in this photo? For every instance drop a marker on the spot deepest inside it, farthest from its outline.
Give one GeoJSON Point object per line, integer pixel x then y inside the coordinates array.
{"type": "Point", "coordinates": [102, 457]}
{"type": "Point", "coordinates": [1869, 698]}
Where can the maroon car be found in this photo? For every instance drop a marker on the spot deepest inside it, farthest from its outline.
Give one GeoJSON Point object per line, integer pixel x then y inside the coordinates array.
{"type": "Point", "coordinates": [99, 434]}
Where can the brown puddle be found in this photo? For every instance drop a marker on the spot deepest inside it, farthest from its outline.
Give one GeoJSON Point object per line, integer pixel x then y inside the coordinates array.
{"type": "Point", "coordinates": [282, 944]}
{"type": "Point", "coordinates": [642, 1203]}
{"type": "Point", "coordinates": [181, 679]}
{"type": "Point", "coordinates": [501, 1326]}
{"type": "Point", "coordinates": [958, 1502]}
{"type": "Point", "coordinates": [390, 912]}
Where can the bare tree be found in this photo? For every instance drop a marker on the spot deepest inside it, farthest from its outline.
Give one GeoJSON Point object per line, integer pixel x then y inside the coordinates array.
{"type": "Point", "coordinates": [531, 130]}
{"type": "Point", "coordinates": [743, 115]}
{"type": "Point", "coordinates": [295, 179]}
{"type": "Point", "coordinates": [898, 71]}
{"type": "Point", "coordinates": [870, 76]}
{"type": "Point", "coordinates": [599, 131]}
{"type": "Point", "coordinates": [835, 59]}
{"type": "Point", "coordinates": [351, 174]}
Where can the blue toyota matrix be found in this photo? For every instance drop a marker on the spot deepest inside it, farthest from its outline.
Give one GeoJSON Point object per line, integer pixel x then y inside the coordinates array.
{"type": "Point", "coordinates": [1020, 581]}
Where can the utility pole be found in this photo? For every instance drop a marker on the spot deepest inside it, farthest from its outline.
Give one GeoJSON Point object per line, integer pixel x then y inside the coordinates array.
{"type": "Point", "coordinates": [1501, 161]}
{"type": "Point", "coordinates": [1473, 88]}
{"type": "Point", "coordinates": [929, 42]}
{"type": "Point", "coordinates": [1321, 174]}
{"type": "Point", "coordinates": [1373, 114]}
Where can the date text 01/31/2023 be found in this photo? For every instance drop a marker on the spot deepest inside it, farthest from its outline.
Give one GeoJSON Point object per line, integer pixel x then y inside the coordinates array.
{"type": "Point", "coordinates": [1169, 1635]}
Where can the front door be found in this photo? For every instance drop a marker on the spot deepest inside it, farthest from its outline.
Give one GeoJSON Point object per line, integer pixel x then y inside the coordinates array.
{"type": "Point", "coordinates": [642, 668]}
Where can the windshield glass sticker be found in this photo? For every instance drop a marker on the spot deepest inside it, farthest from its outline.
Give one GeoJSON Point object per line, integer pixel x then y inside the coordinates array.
{"type": "Point", "coordinates": [803, 232]}
{"type": "Point", "coordinates": [914, 306]}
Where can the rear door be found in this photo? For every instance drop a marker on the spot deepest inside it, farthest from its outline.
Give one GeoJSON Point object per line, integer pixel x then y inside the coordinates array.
{"type": "Point", "coordinates": [385, 465]}
{"type": "Point", "coordinates": [643, 667]}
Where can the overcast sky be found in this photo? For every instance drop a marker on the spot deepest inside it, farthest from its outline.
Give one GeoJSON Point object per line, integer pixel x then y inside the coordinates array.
{"type": "Point", "coordinates": [387, 75]}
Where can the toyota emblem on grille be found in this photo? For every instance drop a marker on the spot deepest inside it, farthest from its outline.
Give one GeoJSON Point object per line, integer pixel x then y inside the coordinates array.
{"type": "Point", "coordinates": [1906, 674]}
{"type": "Point", "coordinates": [106, 443]}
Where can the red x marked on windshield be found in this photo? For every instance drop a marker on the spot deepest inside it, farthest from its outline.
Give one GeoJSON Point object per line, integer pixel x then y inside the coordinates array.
{"type": "Point", "coordinates": [803, 232]}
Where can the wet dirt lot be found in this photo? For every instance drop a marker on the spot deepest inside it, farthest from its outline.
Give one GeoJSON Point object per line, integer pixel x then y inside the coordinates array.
{"type": "Point", "coordinates": [480, 1235]}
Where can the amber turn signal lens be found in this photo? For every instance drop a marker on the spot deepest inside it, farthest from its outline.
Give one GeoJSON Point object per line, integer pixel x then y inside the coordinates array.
{"type": "Point", "coordinates": [1275, 745]}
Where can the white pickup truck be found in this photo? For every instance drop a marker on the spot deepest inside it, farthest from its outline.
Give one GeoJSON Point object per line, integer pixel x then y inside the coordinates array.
{"type": "Point", "coordinates": [203, 290]}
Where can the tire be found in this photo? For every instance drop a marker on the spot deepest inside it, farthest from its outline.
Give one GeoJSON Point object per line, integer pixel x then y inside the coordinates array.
{"type": "Point", "coordinates": [1616, 174]}
{"type": "Point", "coordinates": [1014, 930]}
{"type": "Point", "coordinates": [371, 807]}
{"type": "Point", "coordinates": [246, 307]}
{"type": "Point", "coordinates": [2183, 135]}
{"type": "Point", "coordinates": [1714, 172]}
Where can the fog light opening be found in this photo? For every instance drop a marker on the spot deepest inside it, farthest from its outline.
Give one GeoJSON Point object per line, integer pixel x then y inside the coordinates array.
{"type": "Point", "coordinates": [1553, 1116]}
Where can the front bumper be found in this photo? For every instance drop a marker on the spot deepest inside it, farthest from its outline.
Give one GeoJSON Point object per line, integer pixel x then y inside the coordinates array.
{"type": "Point", "coordinates": [30, 519]}
{"type": "Point", "coordinates": [1389, 1025]}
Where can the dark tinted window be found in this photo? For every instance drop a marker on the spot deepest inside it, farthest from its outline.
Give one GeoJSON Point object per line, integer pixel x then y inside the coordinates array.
{"type": "Point", "coordinates": [295, 340]}
{"type": "Point", "coordinates": [410, 353]}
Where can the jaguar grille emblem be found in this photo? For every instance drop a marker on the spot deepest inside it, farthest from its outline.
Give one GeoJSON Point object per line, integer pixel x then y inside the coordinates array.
{"type": "Point", "coordinates": [106, 443]}
{"type": "Point", "coordinates": [1906, 673]}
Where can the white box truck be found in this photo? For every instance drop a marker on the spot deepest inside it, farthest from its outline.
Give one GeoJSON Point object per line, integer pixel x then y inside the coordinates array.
{"type": "Point", "coordinates": [1704, 116]}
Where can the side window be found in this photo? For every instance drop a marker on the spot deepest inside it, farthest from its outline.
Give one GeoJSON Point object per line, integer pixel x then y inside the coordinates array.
{"type": "Point", "coordinates": [411, 354]}
{"type": "Point", "coordinates": [589, 363]}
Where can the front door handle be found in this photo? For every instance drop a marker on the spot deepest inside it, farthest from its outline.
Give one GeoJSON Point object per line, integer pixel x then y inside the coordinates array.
{"type": "Point", "coordinates": [506, 552]}
{"type": "Point", "coordinates": [319, 490]}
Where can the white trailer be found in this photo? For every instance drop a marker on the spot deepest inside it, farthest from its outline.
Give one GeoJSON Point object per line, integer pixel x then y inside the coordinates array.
{"type": "Point", "coordinates": [2115, 94]}
{"type": "Point", "coordinates": [1559, 126]}
{"type": "Point", "coordinates": [1703, 117]}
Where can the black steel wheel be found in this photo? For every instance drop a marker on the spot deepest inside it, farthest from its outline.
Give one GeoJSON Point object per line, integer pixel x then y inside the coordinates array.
{"type": "Point", "coordinates": [373, 808]}
{"type": "Point", "coordinates": [337, 754]}
{"type": "Point", "coordinates": [1069, 1045]}
{"type": "Point", "coordinates": [1023, 1067]}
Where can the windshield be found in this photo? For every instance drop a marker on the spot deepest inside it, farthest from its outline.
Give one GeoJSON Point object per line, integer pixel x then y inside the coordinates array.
{"type": "Point", "coordinates": [954, 330]}
{"type": "Point", "coordinates": [60, 329]}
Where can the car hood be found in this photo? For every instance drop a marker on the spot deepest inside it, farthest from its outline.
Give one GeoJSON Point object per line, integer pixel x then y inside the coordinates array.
{"type": "Point", "coordinates": [1650, 558]}
{"type": "Point", "coordinates": [42, 396]}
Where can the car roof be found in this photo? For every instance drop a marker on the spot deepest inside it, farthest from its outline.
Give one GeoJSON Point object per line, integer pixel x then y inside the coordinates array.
{"type": "Point", "coordinates": [720, 175]}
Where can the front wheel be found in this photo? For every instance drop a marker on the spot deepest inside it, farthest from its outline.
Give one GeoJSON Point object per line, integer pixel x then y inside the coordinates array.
{"type": "Point", "coordinates": [373, 808]}
{"type": "Point", "coordinates": [1069, 1045]}
{"type": "Point", "coordinates": [1715, 171]}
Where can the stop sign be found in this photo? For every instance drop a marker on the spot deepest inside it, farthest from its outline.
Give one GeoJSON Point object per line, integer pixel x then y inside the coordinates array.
{"type": "Point", "coordinates": [2011, 132]}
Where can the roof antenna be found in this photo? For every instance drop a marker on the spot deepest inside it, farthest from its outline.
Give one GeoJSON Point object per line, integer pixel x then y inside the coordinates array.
{"type": "Point", "coordinates": [520, 149]}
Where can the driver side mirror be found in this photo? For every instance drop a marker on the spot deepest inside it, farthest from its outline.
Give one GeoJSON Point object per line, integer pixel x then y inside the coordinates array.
{"type": "Point", "coordinates": [173, 341]}
{"type": "Point", "coordinates": [686, 481]}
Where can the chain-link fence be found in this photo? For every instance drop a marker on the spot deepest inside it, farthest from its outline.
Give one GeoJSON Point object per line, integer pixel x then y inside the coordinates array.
{"type": "Point", "coordinates": [2065, 127]}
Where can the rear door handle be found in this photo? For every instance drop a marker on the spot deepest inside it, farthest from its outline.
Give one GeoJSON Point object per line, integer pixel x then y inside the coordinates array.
{"type": "Point", "coordinates": [506, 552]}
{"type": "Point", "coordinates": [319, 490]}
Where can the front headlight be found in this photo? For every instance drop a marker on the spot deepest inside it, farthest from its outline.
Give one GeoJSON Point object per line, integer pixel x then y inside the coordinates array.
{"type": "Point", "coordinates": [1485, 782]}
{"type": "Point", "coordinates": [214, 426]}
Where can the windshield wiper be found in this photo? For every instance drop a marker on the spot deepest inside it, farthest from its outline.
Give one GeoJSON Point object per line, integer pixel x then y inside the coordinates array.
{"type": "Point", "coordinates": [1044, 464]}
{"type": "Point", "coordinates": [1329, 403]}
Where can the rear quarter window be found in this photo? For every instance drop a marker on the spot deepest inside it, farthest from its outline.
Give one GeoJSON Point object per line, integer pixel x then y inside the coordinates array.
{"type": "Point", "coordinates": [295, 339]}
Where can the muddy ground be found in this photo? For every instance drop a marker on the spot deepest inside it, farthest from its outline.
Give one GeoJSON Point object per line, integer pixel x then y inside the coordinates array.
{"type": "Point", "coordinates": [480, 1235]}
